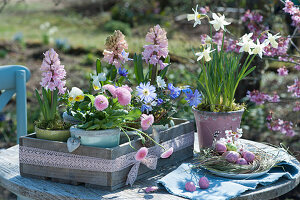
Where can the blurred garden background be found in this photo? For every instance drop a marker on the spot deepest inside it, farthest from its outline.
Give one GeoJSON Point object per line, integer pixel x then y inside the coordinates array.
{"type": "Point", "coordinates": [77, 31]}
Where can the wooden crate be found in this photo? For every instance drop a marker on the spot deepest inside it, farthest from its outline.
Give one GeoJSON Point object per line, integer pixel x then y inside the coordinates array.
{"type": "Point", "coordinates": [102, 180]}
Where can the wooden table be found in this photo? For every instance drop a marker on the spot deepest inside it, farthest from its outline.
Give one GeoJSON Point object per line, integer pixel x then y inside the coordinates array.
{"type": "Point", "coordinates": [27, 188]}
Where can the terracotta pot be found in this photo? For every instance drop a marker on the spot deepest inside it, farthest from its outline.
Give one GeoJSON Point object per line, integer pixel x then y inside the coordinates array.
{"type": "Point", "coordinates": [99, 138]}
{"type": "Point", "coordinates": [210, 122]}
{"type": "Point", "coordinates": [55, 135]}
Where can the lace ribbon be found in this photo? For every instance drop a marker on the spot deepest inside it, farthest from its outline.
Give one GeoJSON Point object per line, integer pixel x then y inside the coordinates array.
{"type": "Point", "coordinates": [47, 158]}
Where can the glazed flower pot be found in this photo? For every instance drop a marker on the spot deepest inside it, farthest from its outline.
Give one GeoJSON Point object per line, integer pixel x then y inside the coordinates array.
{"type": "Point", "coordinates": [99, 138]}
{"type": "Point", "coordinates": [55, 135]}
{"type": "Point", "coordinates": [210, 122]}
{"type": "Point", "coordinates": [70, 119]}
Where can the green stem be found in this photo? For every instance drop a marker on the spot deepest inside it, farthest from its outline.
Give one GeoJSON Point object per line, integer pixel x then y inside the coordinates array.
{"type": "Point", "coordinates": [127, 137]}
{"type": "Point", "coordinates": [153, 74]}
{"type": "Point", "coordinates": [146, 136]}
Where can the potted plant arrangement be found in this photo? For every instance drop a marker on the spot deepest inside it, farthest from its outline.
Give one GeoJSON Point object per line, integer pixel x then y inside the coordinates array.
{"type": "Point", "coordinates": [220, 75]}
{"type": "Point", "coordinates": [51, 127]}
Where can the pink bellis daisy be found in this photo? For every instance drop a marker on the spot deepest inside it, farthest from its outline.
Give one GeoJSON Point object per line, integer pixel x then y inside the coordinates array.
{"type": "Point", "coordinates": [146, 121]}
{"type": "Point", "coordinates": [101, 102]}
{"type": "Point", "coordinates": [141, 154]}
{"type": "Point", "coordinates": [124, 96]}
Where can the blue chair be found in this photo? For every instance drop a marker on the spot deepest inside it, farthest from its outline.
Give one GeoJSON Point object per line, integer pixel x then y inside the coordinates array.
{"type": "Point", "coordinates": [13, 80]}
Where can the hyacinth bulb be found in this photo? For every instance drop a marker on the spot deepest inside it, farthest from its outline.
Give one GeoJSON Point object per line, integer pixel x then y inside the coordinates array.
{"type": "Point", "coordinates": [249, 156]}
{"type": "Point", "coordinates": [203, 183]}
{"type": "Point", "coordinates": [232, 156]}
{"type": "Point", "coordinates": [241, 161]}
{"type": "Point", "coordinates": [190, 186]}
{"type": "Point", "coordinates": [231, 147]}
{"type": "Point", "coordinates": [220, 147]}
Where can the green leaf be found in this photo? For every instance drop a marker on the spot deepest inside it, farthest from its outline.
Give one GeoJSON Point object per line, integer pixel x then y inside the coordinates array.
{"type": "Point", "coordinates": [138, 68]}
{"type": "Point", "coordinates": [91, 97]}
{"type": "Point", "coordinates": [46, 104]}
{"type": "Point", "coordinates": [98, 66]}
{"type": "Point", "coordinates": [133, 115]}
{"type": "Point", "coordinates": [40, 103]}
{"type": "Point", "coordinates": [94, 127]}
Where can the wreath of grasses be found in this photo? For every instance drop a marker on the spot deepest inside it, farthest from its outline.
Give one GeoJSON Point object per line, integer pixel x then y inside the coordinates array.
{"type": "Point", "coordinates": [210, 160]}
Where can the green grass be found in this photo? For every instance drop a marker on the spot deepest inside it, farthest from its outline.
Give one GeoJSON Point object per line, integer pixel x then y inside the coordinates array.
{"type": "Point", "coordinates": [87, 32]}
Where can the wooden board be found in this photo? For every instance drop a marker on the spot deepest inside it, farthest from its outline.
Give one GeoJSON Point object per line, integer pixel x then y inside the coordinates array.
{"type": "Point", "coordinates": [36, 189]}
{"type": "Point", "coordinates": [103, 180]}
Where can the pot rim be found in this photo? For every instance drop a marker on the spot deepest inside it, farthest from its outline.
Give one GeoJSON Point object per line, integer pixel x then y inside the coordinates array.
{"type": "Point", "coordinates": [216, 113]}
{"type": "Point", "coordinates": [74, 127]}
{"type": "Point", "coordinates": [49, 130]}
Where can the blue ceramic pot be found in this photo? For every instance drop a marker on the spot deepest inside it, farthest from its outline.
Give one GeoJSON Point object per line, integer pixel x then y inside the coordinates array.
{"type": "Point", "coordinates": [99, 138]}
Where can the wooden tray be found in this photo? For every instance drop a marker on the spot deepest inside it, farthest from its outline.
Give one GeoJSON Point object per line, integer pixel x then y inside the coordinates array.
{"type": "Point", "coordinates": [103, 180]}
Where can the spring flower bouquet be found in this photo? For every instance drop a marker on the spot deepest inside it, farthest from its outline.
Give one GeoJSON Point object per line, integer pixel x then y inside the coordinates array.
{"type": "Point", "coordinates": [222, 70]}
{"type": "Point", "coordinates": [110, 103]}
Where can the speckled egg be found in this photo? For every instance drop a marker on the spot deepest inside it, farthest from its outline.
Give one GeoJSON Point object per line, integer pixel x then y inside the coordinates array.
{"type": "Point", "coordinates": [220, 147]}
{"type": "Point", "coordinates": [249, 156]}
{"type": "Point", "coordinates": [241, 161]}
{"type": "Point", "coordinates": [232, 156]}
{"type": "Point", "coordinates": [190, 186]}
{"type": "Point", "coordinates": [203, 183]}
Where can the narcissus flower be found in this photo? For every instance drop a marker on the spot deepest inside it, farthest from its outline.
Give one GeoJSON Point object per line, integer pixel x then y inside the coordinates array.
{"type": "Point", "coordinates": [101, 102]}
{"type": "Point", "coordinates": [258, 48]}
{"type": "Point", "coordinates": [196, 16]}
{"type": "Point", "coordinates": [272, 40]}
{"type": "Point", "coordinates": [141, 154]}
{"type": "Point", "coordinates": [205, 54]}
{"type": "Point", "coordinates": [76, 94]}
{"type": "Point", "coordinates": [219, 22]}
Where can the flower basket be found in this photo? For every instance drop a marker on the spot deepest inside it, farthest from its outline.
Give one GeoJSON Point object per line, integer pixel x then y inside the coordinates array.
{"type": "Point", "coordinates": [105, 168]}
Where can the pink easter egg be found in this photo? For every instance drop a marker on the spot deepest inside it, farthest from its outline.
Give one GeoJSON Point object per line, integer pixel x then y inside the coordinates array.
{"type": "Point", "coordinates": [190, 186]}
{"type": "Point", "coordinates": [203, 183]}
{"type": "Point", "coordinates": [220, 147]}
{"type": "Point", "coordinates": [232, 156]}
{"type": "Point", "coordinates": [241, 161]}
{"type": "Point", "coordinates": [249, 156]}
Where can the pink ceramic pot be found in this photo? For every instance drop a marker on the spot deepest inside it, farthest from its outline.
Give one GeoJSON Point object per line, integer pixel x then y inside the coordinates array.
{"type": "Point", "coordinates": [210, 122]}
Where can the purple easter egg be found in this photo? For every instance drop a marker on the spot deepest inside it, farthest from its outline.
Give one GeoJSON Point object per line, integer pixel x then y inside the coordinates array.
{"type": "Point", "coordinates": [249, 156]}
{"type": "Point", "coordinates": [241, 161]}
{"type": "Point", "coordinates": [190, 186]}
{"type": "Point", "coordinates": [232, 156]}
{"type": "Point", "coordinates": [203, 183]}
{"type": "Point", "coordinates": [220, 147]}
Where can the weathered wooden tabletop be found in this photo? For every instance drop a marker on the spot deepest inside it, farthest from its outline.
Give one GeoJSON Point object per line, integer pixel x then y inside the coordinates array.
{"type": "Point", "coordinates": [41, 189]}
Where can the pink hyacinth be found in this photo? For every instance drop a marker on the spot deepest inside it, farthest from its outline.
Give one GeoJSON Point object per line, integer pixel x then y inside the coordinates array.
{"type": "Point", "coordinates": [158, 49]}
{"type": "Point", "coordinates": [111, 89]}
{"type": "Point", "coordinates": [115, 53]}
{"type": "Point", "coordinates": [124, 96]}
{"type": "Point", "coordinates": [167, 153]}
{"type": "Point", "coordinates": [282, 71]}
{"type": "Point", "coordinates": [146, 121]}
{"type": "Point", "coordinates": [295, 88]}
{"type": "Point", "coordinates": [53, 72]}
{"type": "Point", "coordinates": [141, 154]}
{"type": "Point", "coordinates": [101, 102]}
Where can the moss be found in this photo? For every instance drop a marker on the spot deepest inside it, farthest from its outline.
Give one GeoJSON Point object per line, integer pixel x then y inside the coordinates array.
{"type": "Point", "coordinates": [56, 124]}
{"type": "Point", "coordinates": [220, 108]}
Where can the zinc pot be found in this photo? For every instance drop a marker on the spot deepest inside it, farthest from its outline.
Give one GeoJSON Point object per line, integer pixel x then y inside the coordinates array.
{"type": "Point", "coordinates": [55, 135]}
{"type": "Point", "coordinates": [98, 138]}
{"type": "Point", "coordinates": [210, 122]}
{"type": "Point", "coordinates": [70, 119]}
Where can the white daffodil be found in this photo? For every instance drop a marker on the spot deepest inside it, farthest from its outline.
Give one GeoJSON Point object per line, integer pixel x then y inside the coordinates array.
{"type": "Point", "coordinates": [239, 130]}
{"type": "Point", "coordinates": [219, 22]}
{"type": "Point", "coordinates": [272, 39]}
{"type": "Point", "coordinates": [161, 82]}
{"type": "Point", "coordinates": [76, 94]}
{"type": "Point", "coordinates": [205, 54]}
{"type": "Point", "coordinates": [97, 79]}
{"type": "Point", "coordinates": [196, 16]}
{"type": "Point", "coordinates": [258, 48]}
{"type": "Point", "coordinates": [246, 43]}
